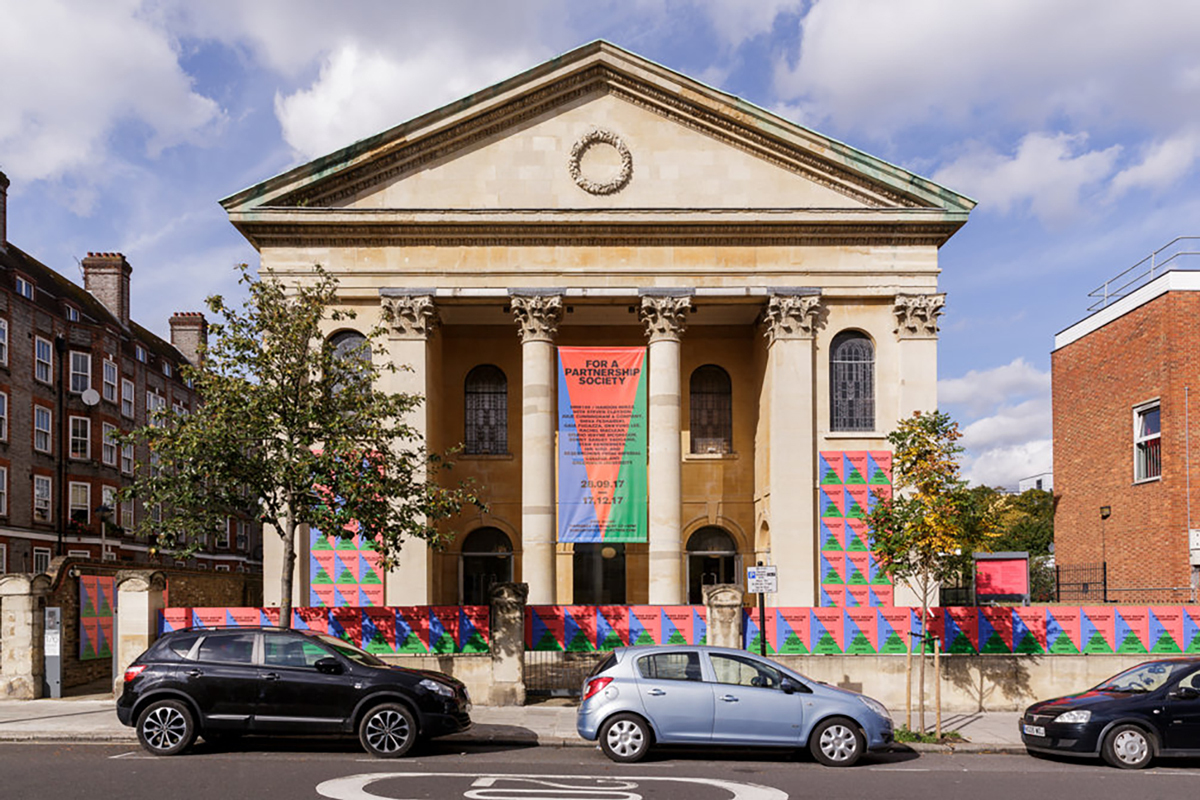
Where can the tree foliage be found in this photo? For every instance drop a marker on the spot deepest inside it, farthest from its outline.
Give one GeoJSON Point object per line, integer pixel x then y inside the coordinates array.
{"type": "Point", "coordinates": [293, 432]}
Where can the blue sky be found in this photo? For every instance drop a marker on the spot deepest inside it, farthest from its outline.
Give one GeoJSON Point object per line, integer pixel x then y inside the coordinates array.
{"type": "Point", "coordinates": [1074, 123]}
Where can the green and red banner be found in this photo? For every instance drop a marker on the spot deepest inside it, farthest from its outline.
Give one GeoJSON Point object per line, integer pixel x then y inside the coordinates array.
{"type": "Point", "coordinates": [602, 444]}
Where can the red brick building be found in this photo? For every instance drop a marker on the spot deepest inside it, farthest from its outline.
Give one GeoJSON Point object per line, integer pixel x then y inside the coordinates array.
{"type": "Point", "coordinates": [74, 369]}
{"type": "Point", "coordinates": [1127, 442]}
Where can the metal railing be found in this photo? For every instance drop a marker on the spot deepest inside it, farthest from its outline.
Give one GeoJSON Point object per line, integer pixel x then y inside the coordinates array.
{"type": "Point", "coordinates": [1159, 262]}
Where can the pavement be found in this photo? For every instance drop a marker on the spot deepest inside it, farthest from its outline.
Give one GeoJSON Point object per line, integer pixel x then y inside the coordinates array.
{"type": "Point", "coordinates": [93, 718]}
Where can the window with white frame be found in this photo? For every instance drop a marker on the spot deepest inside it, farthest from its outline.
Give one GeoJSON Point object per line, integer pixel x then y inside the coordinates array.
{"type": "Point", "coordinates": [108, 497]}
{"type": "Point", "coordinates": [243, 526]}
{"type": "Point", "coordinates": [3, 492]}
{"type": "Point", "coordinates": [127, 516]}
{"type": "Point", "coordinates": [81, 437]}
{"type": "Point", "coordinates": [72, 314]}
{"type": "Point", "coordinates": [127, 459]}
{"type": "Point", "coordinates": [155, 512]}
{"type": "Point", "coordinates": [223, 536]}
{"type": "Point", "coordinates": [127, 397]}
{"type": "Point", "coordinates": [42, 492]}
{"type": "Point", "coordinates": [43, 420]}
{"type": "Point", "coordinates": [155, 403]}
{"type": "Point", "coordinates": [109, 555]}
{"type": "Point", "coordinates": [108, 447]}
{"type": "Point", "coordinates": [79, 553]}
{"type": "Point", "coordinates": [81, 502]}
{"type": "Point", "coordinates": [166, 368]}
{"type": "Point", "coordinates": [3, 341]}
{"type": "Point", "coordinates": [155, 470]}
{"type": "Point", "coordinates": [81, 372]}
{"type": "Point", "coordinates": [1147, 442]}
{"type": "Point", "coordinates": [43, 359]}
{"type": "Point", "coordinates": [110, 380]}
{"type": "Point", "coordinates": [3, 416]}
{"type": "Point", "coordinates": [140, 353]}
{"type": "Point", "coordinates": [221, 568]}
{"type": "Point", "coordinates": [24, 287]}
{"type": "Point", "coordinates": [41, 559]}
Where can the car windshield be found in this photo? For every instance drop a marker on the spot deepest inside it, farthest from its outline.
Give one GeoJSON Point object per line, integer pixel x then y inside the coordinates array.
{"type": "Point", "coordinates": [344, 648]}
{"type": "Point", "coordinates": [1139, 679]}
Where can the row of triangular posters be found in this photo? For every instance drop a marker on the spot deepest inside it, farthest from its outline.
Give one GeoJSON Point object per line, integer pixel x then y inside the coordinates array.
{"type": "Point", "coordinates": [583, 629]}
{"type": "Point", "coordinates": [854, 468]}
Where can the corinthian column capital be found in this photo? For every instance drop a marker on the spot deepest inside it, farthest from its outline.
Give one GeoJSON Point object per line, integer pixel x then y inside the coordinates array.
{"type": "Point", "coordinates": [665, 316]}
{"type": "Point", "coordinates": [537, 316]}
{"type": "Point", "coordinates": [409, 316]}
{"type": "Point", "coordinates": [917, 315]}
{"type": "Point", "coordinates": [790, 316]}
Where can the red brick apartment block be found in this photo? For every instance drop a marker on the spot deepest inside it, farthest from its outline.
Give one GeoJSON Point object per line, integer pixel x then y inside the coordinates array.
{"type": "Point", "coordinates": [1123, 491]}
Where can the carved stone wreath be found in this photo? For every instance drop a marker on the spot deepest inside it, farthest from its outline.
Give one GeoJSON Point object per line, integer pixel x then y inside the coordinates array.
{"type": "Point", "coordinates": [589, 140]}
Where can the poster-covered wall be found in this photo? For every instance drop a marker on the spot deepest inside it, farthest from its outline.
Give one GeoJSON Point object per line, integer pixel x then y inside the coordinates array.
{"type": "Point", "coordinates": [851, 483]}
{"type": "Point", "coordinates": [97, 600]}
{"type": "Point", "coordinates": [602, 444]}
{"type": "Point", "coordinates": [343, 572]}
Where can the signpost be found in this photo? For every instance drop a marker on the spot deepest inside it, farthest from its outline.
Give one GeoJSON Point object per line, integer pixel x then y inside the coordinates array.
{"type": "Point", "coordinates": [762, 580]}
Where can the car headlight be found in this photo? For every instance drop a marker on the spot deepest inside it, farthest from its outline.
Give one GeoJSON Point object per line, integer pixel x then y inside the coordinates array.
{"type": "Point", "coordinates": [877, 707]}
{"type": "Point", "coordinates": [436, 688]}
{"type": "Point", "coordinates": [1074, 716]}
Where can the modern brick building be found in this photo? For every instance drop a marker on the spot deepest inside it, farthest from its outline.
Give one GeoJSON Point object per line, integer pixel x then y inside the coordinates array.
{"type": "Point", "coordinates": [1127, 442]}
{"type": "Point", "coordinates": [74, 369]}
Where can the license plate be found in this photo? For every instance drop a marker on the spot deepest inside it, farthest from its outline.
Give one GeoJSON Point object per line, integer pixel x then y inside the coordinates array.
{"type": "Point", "coordinates": [1034, 730]}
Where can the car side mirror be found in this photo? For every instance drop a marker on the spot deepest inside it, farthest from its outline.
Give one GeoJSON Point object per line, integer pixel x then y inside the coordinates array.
{"type": "Point", "coordinates": [329, 665]}
{"type": "Point", "coordinates": [1186, 693]}
{"type": "Point", "coordinates": [790, 686]}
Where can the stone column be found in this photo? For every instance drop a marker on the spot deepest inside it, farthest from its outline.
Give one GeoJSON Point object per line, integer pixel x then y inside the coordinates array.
{"type": "Point", "coordinates": [917, 332]}
{"type": "Point", "coordinates": [724, 604]}
{"type": "Point", "coordinates": [665, 317]}
{"type": "Point", "coordinates": [22, 630]}
{"type": "Point", "coordinates": [139, 601]}
{"type": "Point", "coordinates": [538, 316]}
{"type": "Point", "coordinates": [411, 317]}
{"type": "Point", "coordinates": [508, 644]}
{"type": "Point", "coordinates": [791, 464]}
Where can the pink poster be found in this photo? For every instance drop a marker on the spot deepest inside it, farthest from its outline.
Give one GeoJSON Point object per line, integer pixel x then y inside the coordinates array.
{"type": "Point", "coordinates": [310, 619]}
{"type": "Point", "coordinates": [861, 631]}
{"type": "Point", "coordinates": [1132, 629]}
{"type": "Point", "coordinates": [1166, 629]}
{"type": "Point", "coordinates": [645, 625]}
{"type": "Point", "coordinates": [1097, 629]}
{"type": "Point", "coordinates": [791, 631]}
{"type": "Point", "coordinates": [997, 623]}
{"type": "Point", "coordinates": [244, 617]}
{"type": "Point", "coordinates": [1063, 628]}
{"type": "Point", "coordinates": [208, 617]}
{"type": "Point", "coordinates": [827, 631]}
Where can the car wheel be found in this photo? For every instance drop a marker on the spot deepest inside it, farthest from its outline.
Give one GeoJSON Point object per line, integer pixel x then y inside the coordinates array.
{"type": "Point", "coordinates": [1128, 747]}
{"type": "Point", "coordinates": [388, 731]}
{"type": "Point", "coordinates": [166, 728]}
{"type": "Point", "coordinates": [625, 738]}
{"type": "Point", "coordinates": [837, 742]}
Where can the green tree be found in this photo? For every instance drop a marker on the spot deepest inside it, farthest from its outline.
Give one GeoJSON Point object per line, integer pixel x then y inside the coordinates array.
{"type": "Point", "coordinates": [925, 533]}
{"type": "Point", "coordinates": [294, 432]}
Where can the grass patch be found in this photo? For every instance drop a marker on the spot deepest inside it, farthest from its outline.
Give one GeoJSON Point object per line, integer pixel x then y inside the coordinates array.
{"type": "Point", "coordinates": [906, 736]}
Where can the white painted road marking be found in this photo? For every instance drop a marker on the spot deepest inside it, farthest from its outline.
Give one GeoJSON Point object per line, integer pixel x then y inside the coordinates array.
{"type": "Point", "coordinates": [487, 789]}
{"type": "Point", "coordinates": [354, 787]}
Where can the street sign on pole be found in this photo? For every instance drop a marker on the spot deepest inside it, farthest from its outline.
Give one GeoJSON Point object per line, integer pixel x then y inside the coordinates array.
{"type": "Point", "coordinates": [761, 580]}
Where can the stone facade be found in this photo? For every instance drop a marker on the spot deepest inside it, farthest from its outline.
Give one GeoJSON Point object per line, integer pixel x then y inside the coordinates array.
{"type": "Point", "coordinates": [603, 200]}
{"type": "Point", "coordinates": [1137, 353]}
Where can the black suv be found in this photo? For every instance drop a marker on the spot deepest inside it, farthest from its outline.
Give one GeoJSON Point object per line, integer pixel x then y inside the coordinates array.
{"type": "Point", "coordinates": [221, 683]}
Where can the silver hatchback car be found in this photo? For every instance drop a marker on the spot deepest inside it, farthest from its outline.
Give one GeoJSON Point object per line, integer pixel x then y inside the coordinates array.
{"type": "Point", "coordinates": [640, 696]}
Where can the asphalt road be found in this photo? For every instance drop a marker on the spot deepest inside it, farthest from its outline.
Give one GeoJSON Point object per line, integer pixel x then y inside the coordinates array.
{"type": "Point", "coordinates": [314, 769]}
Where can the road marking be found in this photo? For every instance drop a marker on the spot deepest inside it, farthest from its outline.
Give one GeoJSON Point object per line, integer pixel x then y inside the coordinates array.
{"type": "Point", "coordinates": [123, 755]}
{"type": "Point", "coordinates": [897, 769]}
{"type": "Point", "coordinates": [354, 787]}
{"type": "Point", "coordinates": [615, 789]}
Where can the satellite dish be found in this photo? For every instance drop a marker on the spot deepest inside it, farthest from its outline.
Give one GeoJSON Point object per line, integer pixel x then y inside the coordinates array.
{"type": "Point", "coordinates": [90, 397]}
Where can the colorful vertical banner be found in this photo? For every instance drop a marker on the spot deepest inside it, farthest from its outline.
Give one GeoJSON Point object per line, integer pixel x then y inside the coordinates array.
{"type": "Point", "coordinates": [851, 484]}
{"type": "Point", "coordinates": [343, 571]}
{"type": "Point", "coordinates": [97, 599]}
{"type": "Point", "coordinates": [602, 444]}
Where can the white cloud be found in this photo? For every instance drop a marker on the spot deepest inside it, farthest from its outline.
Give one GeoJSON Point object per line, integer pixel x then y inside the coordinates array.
{"type": "Point", "coordinates": [1048, 175]}
{"type": "Point", "coordinates": [360, 93]}
{"type": "Point", "coordinates": [74, 71]}
{"type": "Point", "coordinates": [1008, 421]}
{"type": "Point", "coordinates": [1164, 163]}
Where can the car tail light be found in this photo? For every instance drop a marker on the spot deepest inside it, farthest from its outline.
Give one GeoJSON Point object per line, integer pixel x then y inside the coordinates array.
{"type": "Point", "coordinates": [133, 672]}
{"type": "Point", "coordinates": [595, 685]}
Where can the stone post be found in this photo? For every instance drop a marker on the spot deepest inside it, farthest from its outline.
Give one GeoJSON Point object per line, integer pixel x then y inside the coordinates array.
{"type": "Point", "coordinates": [508, 644]}
{"type": "Point", "coordinates": [538, 315]}
{"type": "Point", "coordinates": [411, 318]}
{"type": "Point", "coordinates": [139, 601]}
{"type": "Point", "coordinates": [665, 316]}
{"type": "Point", "coordinates": [791, 321]}
{"type": "Point", "coordinates": [724, 604]}
{"type": "Point", "coordinates": [22, 629]}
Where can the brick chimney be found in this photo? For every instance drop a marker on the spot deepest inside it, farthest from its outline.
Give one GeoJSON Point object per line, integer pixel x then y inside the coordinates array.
{"type": "Point", "coordinates": [189, 330]}
{"type": "Point", "coordinates": [106, 276]}
{"type": "Point", "coordinates": [3, 213]}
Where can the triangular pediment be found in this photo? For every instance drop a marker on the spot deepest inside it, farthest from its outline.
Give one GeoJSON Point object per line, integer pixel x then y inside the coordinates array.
{"type": "Point", "coordinates": [596, 130]}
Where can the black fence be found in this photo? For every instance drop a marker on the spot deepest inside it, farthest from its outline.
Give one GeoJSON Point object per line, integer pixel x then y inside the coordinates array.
{"type": "Point", "coordinates": [1081, 583]}
{"type": "Point", "coordinates": [558, 674]}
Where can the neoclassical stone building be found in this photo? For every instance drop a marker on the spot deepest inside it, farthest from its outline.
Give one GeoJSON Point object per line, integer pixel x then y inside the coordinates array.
{"type": "Point", "coordinates": [784, 284]}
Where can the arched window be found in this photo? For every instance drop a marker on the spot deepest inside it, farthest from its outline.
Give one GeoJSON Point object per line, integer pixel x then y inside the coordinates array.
{"type": "Point", "coordinates": [486, 395]}
{"type": "Point", "coordinates": [851, 383]}
{"type": "Point", "coordinates": [712, 559]}
{"type": "Point", "coordinates": [711, 420]}
{"type": "Point", "coordinates": [486, 560]}
{"type": "Point", "coordinates": [349, 347]}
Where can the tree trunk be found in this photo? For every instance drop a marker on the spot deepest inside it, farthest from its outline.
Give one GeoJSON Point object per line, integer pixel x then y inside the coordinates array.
{"type": "Point", "coordinates": [289, 566]}
{"type": "Point", "coordinates": [921, 668]}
